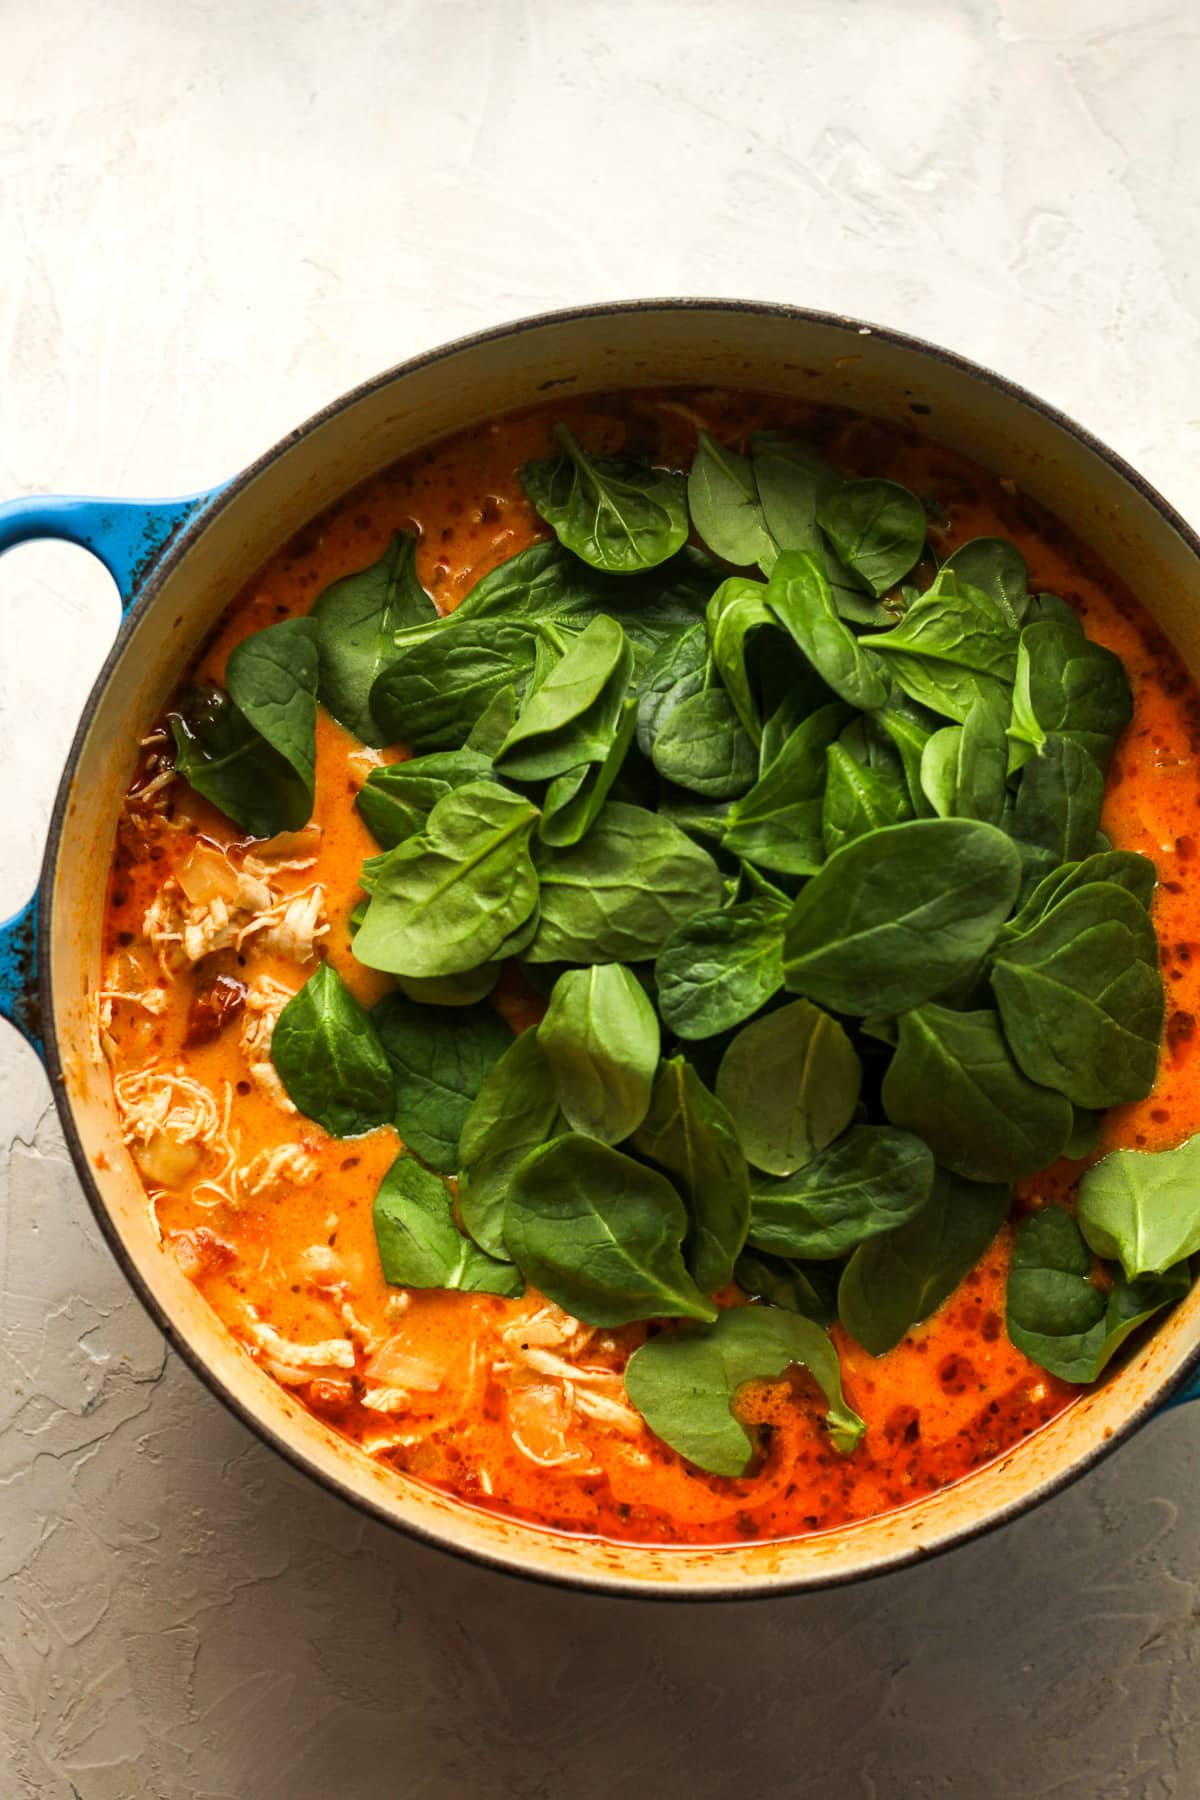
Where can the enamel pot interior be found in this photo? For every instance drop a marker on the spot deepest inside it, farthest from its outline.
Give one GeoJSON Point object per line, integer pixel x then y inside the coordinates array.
{"type": "Point", "coordinates": [814, 358]}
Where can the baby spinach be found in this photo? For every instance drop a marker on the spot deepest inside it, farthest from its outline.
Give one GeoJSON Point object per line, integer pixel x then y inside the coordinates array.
{"type": "Point", "coordinates": [448, 899]}
{"type": "Point", "coordinates": [790, 1081]}
{"type": "Point", "coordinates": [1127, 869]}
{"type": "Point", "coordinates": [686, 1385]}
{"type": "Point", "coordinates": [689, 1133]}
{"type": "Point", "coordinates": [326, 1053]}
{"type": "Point", "coordinates": [718, 968]}
{"type": "Point", "coordinates": [600, 1038]}
{"type": "Point", "coordinates": [222, 757]}
{"type": "Point", "coordinates": [600, 1235]}
{"type": "Point", "coordinates": [792, 482]}
{"type": "Point", "coordinates": [444, 679]}
{"type": "Point", "coordinates": [440, 1058]}
{"type": "Point", "coordinates": [1057, 814]}
{"type": "Point", "coordinates": [619, 894]}
{"type": "Point", "coordinates": [736, 609]}
{"type": "Point", "coordinates": [395, 802]}
{"type": "Point", "coordinates": [910, 728]}
{"type": "Point", "coordinates": [702, 747]}
{"type": "Point", "coordinates": [877, 529]}
{"type": "Point", "coordinates": [420, 1246]}
{"type": "Point", "coordinates": [515, 1110]}
{"type": "Point", "coordinates": [493, 724]}
{"type": "Point", "coordinates": [272, 680]}
{"type": "Point", "coordinates": [858, 799]}
{"type": "Point", "coordinates": [953, 645]}
{"type": "Point", "coordinates": [810, 1288]}
{"type": "Point", "coordinates": [1069, 686]}
{"type": "Point", "coordinates": [449, 990]}
{"type": "Point", "coordinates": [725, 506]}
{"type": "Point", "coordinates": [570, 716]}
{"type": "Point", "coordinates": [356, 621]}
{"type": "Point", "coordinates": [573, 801]}
{"type": "Point", "coordinates": [1140, 1207]}
{"type": "Point", "coordinates": [1056, 1314]}
{"type": "Point", "coordinates": [799, 596]}
{"type": "Point", "coordinates": [868, 1180]}
{"type": "Point", "coordinates": [615, 512]}
{"type": "Point", "coordinates": [997, 569]}
{"type": "Point", "coordinates": [778, 825]}
{"type": "Point", "coordinates": [897, 1280]}
{"type": "Point", "coordinates": [964, 767]}
{"type": "Point", "coordinates": [954, 1080]}
{"type": "Point", "coordinates": [675, 672]}
{"type": "Point", "coordinates": [899, 916]}
{"type": "Point", "coordinates": [1081, 998]}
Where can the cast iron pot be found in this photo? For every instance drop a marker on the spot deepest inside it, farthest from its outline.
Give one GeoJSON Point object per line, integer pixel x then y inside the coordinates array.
{"type": "Point", "coordinates": [178, 564]}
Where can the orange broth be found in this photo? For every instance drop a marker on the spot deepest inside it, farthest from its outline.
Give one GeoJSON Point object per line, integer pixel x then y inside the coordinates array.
{"type": "Point", "coordinates": [482, 1413]}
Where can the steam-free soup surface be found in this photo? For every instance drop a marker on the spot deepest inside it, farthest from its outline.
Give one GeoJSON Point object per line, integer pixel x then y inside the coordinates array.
{"type": "Point", "coordinates": [510, 1404]}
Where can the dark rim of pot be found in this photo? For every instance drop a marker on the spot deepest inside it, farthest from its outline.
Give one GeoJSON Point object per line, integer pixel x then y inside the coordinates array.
{"type": "Point", "coordinates": [610, 1585]}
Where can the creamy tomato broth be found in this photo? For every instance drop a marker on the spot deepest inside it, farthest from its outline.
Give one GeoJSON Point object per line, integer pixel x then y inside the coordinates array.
{"type": "Point", "coordinates": [512, 1404]}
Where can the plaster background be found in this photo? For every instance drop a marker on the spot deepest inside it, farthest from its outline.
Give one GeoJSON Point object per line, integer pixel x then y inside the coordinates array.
{"type": "Point", "coordinates": [214, 217]}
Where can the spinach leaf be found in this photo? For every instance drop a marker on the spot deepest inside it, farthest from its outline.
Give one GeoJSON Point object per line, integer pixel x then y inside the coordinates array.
{"type": "Point", "coordinates": [1081, 998]}
{"type": "Point", "coordinates": [600, 1235]}
{"type": "Point", "coordinates": [395, 802]}
{"type": "Point", "coordinates": [675, 672]}
{"type": "Point", "coordinates": [573, 800]}
{"type": "Point", "coordinates": [440, 1058]}
{"type": "Point", "coordinates": [600, 1038]}
{"type": "Point", "coordinates": [718, 968]}
{"type": "Point", "coordinates": [869, 1180]}
{"type": "Point", "coordinates": [895, 1281]}
{"type": "Point", "coordinates": [877, 529]}
{"type": "Point", "coordinates": [615, 512]}
{"type": "Point", "coordinates": [493, 724]}
{"type": "Point", "coordinates": [954, 1080]}
{"type": "Point", "coordinates": [448, 899]}
{"type": "Point", "coordinates": [736, 609]}
{"type": "Point", "coordinates": [790, 1081]}
{"type": "Point", "coordinates": [420, 1246]}
{"type": "Point", "coordinates": [1127, 869]}
{"type": "Point", "coordinates": [1143, 1207]}
{"type": "Point", "coordinates": [514, 1112]}
{"type": "Point", "coordinates": [702, 747]}
{"type": "Point", "coordinates": [857, 799]}
{"type": "Point", "coordinates": [964, 767]}
{"type": "Point", "coordinates": [952, 645]}
{"type": "Point", "coordinates": [443, 682]}
{"type": "Point", "coordinates": [450, 990]}
{"type": "Point", "coordinates": [272, 680]}
{"type": "Point", "coordinates": [778, 824]}
{"type": "Point", "coordinates": [685, 1385]}
{"type": "Point", "coordinates": [1058, 807]}
{"type": "Point", "coordinates": [329, 1059]}
{"type": "Point", "coordinates": [725, 507]}
{"type": "Point", "coordinates": [997, 569]}
{"type": "Point", "coordinates": [546, 584]}
{"type": "Point", "coordinates": [356, 621]}
{"type": "Point", "coordinates": [1069, 686]}
{"type": "Point", "coordinates": [222, 757]}
{"type": "Point", "coordinates": [900, 915]}
{"type": "Point", "coordinates": [689, 1133]}
{"type": "Point", "coordinates": [809, 1288]}
{"type": "Point", "coordinates": [1057, 1316]}
{"type": "Point", "coordinates": [910, 728]}
{"type": "Point", "coordinates": [799, 596]}
{"type": "Point", "coordinates": [792, 482]}
{"type": "Point", "coordinates": [570, 717]}
{"type": "Point", "coordinates": [618, 895]}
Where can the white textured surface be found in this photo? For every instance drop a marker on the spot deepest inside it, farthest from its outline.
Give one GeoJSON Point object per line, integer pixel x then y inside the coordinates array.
{"type": "Point", "coordinates": [215, 216]}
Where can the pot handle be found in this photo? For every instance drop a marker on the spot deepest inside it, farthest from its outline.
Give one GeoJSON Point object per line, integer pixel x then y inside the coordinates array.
{"type": "Point", "coordinates": [129, 537]}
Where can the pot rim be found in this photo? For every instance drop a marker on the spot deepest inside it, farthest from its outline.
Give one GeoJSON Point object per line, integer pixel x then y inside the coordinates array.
{"type": "Point", "coordinates": [609, 1585]}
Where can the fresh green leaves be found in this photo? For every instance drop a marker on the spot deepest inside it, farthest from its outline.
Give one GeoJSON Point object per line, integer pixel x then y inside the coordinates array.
{"type": "Point", "coordinates": [720, 967]}
{"type": "Point", "coordinates": [252, 752]}
{"type": "Point", "coordinates": [877, 529]}
{"type": "Point", "coordinates": [1058, 1315]}
{"type": "Point", "coordinates": [420, 1246]}
{"type": "Point", "coordinates": [600, 1235]}
{"type": "Point", "coordinates": [451, 897]}
{"type": "Point", "coordinates": [356, 621]}
{"type": "Point", "coordinates": [790, 1081]}
{"type": "Point", "coordinates": [616, 513]}
{"type": "Point", "coordinates": [600, 1039]}
{"type": "Point", "coordinates": [440, 1057]}
{"type": "Point", "coordinates": [869, 1180]}
{"type": "Point", "coordinates": [329, 1058]}
{"type": "Point", "coordinates": [725, 508]}
{"type": "Point", "coordinates": [900, 915]}
{"type": "Point", "coordinates": [1140, 1207]}
{"type": "Point", "coordinates": [1069, 686]}
{"type": "Point", "coordinates": [688, 1133]}
{"type": "Point", "coordinates": [686, 1385]}
{"type": "Point", "coordinates": [395, 802]}
{"type": "Point", "coordinates": [953, 645]}
{"type": "Point", "coordinates": [800, 597]}
{"type": "Point", "coordinates": [571, 715]}
{"type": "Point", "coordinates": [515, 1111]}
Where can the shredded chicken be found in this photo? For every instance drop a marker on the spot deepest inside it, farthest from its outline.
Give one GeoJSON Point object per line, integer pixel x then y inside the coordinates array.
{"type": "Point", "coordinates": [290, 851]}
{"type": "Point", "coordinates": [547, 1383]}
{"type": "Point", "coordinates": [291, 926]}
{"type": "Point", "coordinates": [152, 1000]}
{"type": "Point", "coordinates": [211, 905]}
{"type": "Point", "coordinates": [286, 1164]}
{"type": "Point", "coordinates": [294, 1364]}
{"type": "Point", "coordinates": [170, 1121]}
{"type": "Point", "coordinates": [265, 1000]}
